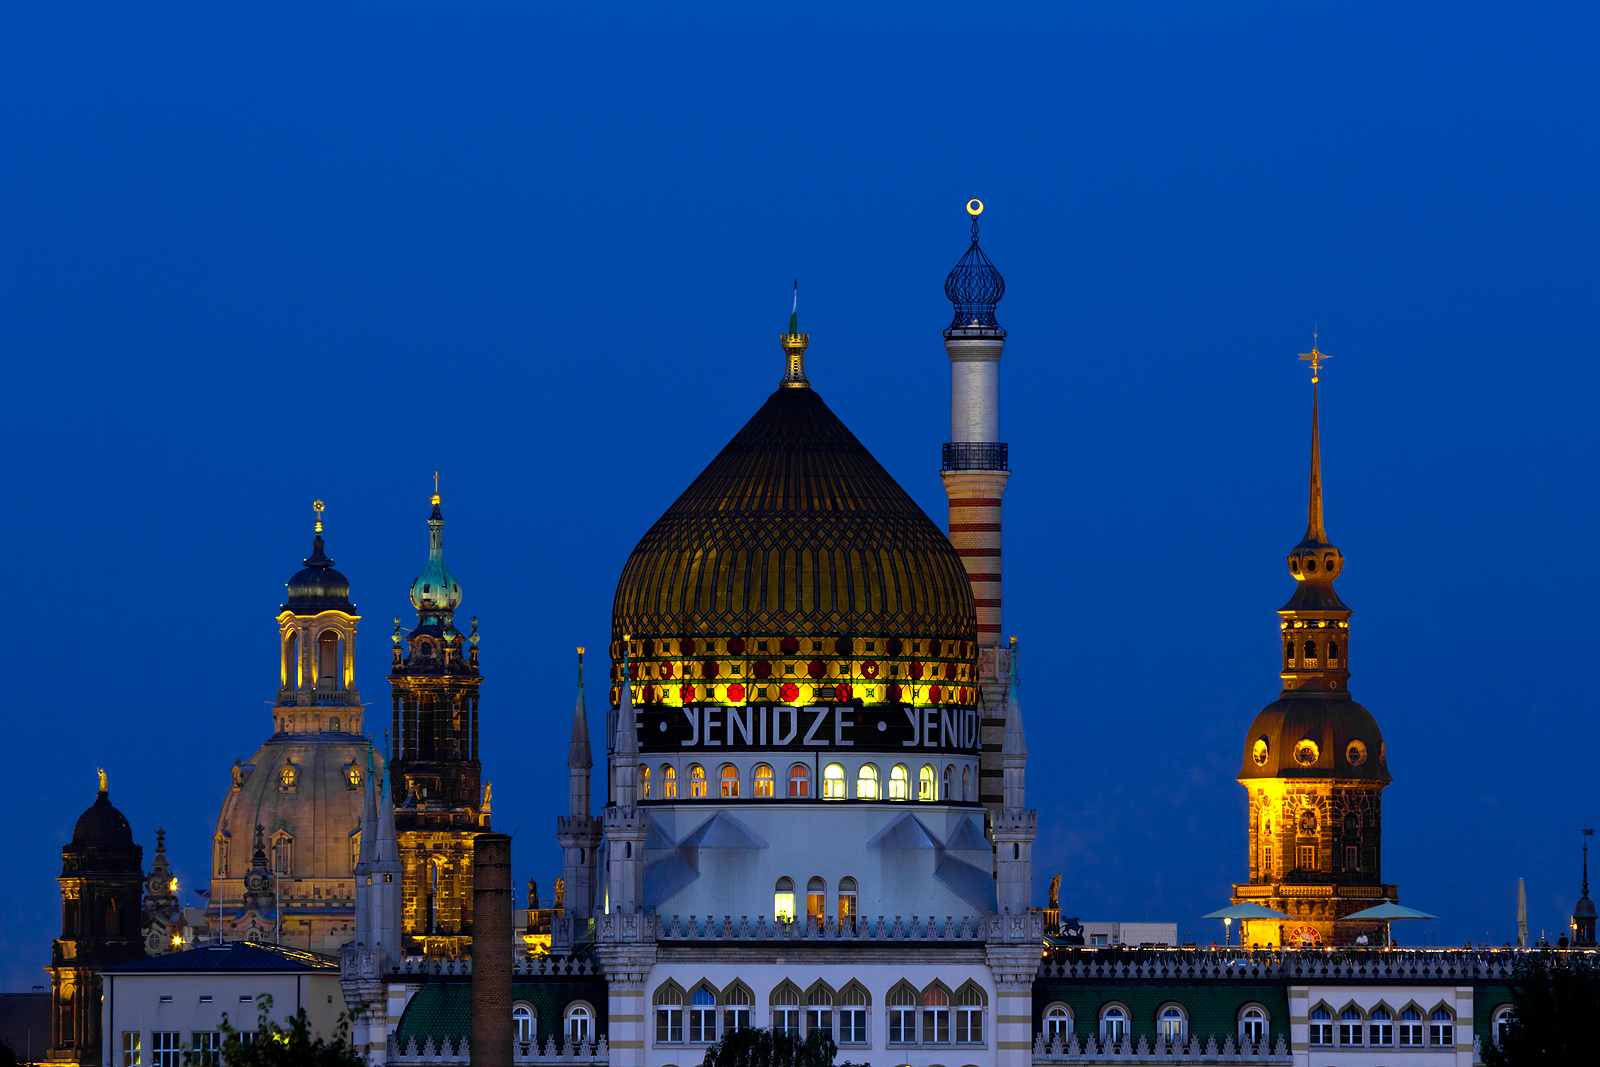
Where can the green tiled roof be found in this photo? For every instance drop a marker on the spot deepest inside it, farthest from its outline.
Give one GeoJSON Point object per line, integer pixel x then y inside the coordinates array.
{"type": "Point", "coordinates": [1213, 1007]}
{"type": "Point", "coordinates": [444, 1009]}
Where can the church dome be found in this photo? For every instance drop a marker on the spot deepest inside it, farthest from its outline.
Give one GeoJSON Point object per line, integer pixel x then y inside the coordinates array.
{"type": "Point", "coordinates": [319, 587]}
{"type": "Point", "coordinates": [795, 541]}
{"type": "Point", "coordinates": [102, 826]}
{"type": "Point", "coordinates": [1315, 737]}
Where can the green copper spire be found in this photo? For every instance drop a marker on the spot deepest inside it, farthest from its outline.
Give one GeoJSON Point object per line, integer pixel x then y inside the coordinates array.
{"type": "Point", "coordinates": [436, 587]}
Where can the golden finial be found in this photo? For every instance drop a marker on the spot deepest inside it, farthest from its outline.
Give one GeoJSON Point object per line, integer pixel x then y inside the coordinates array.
{"type": "Point", "coordinates": [1315, 358]}
{"type": "Point", "coordinates": [318, 507]}
{"type": "Point", "coordinates": [435, 500]}
{"type": "Point", "coordinates": [974, 208]}
{"type": "Point", "coordinates": [102, 771]}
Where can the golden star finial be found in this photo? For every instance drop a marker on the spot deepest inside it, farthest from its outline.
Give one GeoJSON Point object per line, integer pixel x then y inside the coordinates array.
{"type": "Point", "coordinates": [1315, 358]}
{"type": "Point", "coordinates": [318, 507]}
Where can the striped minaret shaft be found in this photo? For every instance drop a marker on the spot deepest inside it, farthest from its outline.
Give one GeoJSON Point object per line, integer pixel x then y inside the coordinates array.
{"type": "Point", "coordinates": [975, 470]}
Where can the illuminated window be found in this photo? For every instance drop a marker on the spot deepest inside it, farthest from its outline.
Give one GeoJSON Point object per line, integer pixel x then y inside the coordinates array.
{"type": "Point", "coordinates": [736, 1010]}
{"type": "Point", "coordinates": [833, 782]}
{"type": "Point", "coordinates": [1381, 1032]}
{"type": "Point", "coordinates": [783, 900]}
{"type": "Point", "coordinates": [927, 784]}
{"type": "Point", "coordinates": [730, 781]}
{"type": "Point", "coordinates": [669, 1014]}
{"type": "Point", "coordinates": [819, 1012]}
{"type": "Point", "coordinates": [763, 780]}
{"type": "Point", "coordinates": [287, 778]}
{"type": "Point", "coordinates": [1350, 1027]}
{"type": "Point", "coordinates": [786, 1010]}
{"type": "Point", "coordinates": [969, 1015]}
{"type": "Point", "coordinates": [1321, 1027]}
{"type": "Point", "coordinates": [291, 661]}
{"type": "Point", "coordinates": [936, 1017]}
{"type": "Point", "coordinates": [847, 903]}
{"type": "Point", "coordinates": [1410, 1028]}
{"type": "Point", "coordinates": [132, 1051]}
{"type": "Point", "coordinates": [1253, 1026]}
{"type": "Point", "coordinates": [697, 781]}
{"type": "Point", "coordinates": [899, 782]}
{"type": "Point", "coordinates": [799, 780]}
{"type": "Point", "coordinates": [1308, 857]}
{"type": "Point", "coordinates": [816, 898]}
{"type": "Point", "coordinates": [644, 781]}
{"type": "Point", "coordinates": [1441, 1028]}
{"type": "Point", "coordinates": [853, 1015]}
{"type": "Point", "coordinates": [353, 776]}
{"type": "Point", "coordinates": [669, 782]}
{"type": "Point", "coordinates": [1174, 1025]}
{"type": "Point", "coordinates": [867, 782]}
{"type": "Point", "coordinates": [1305, 753]}
{"type": "Point", "coordinates": [1308, 822]}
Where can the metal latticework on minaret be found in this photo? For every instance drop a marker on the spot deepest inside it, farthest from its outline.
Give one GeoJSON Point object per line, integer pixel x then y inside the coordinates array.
{"type": "Point", "coordinates": [440, 803]}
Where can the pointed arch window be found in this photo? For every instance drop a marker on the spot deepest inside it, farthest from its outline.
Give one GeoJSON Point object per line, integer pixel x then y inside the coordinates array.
{"type": "Point", "coordinates": [736, 1008]}
{"type": "Point", "coordinates": [786, 1009]}
{"type": "Point", "coordinates": [669, 1014]}
{"type": "Point", "coordinates": [1441, 1028]}
{"type": "Point", "coordinates": [970, 1002]}
{"type": "Point", "coordinates": [702, 1016]}
{"type": "Point", "coordinates": [1350, 1026]}
{"type": "Point", "coordinates": [852, 1014]}
{"type": "Point", "coordinates": [935, 1016]}
{"type": "Point", "coordinates": [819, 1011]}
{"type": "Point", "coordinates": [1411, 1028]}
{"type": "Point", "coordinates": [1322, 1027]}
{"type": "Point", "coordinates": [902, 1016]}
{"type": "Point", "coordinates": [1381, 1032]}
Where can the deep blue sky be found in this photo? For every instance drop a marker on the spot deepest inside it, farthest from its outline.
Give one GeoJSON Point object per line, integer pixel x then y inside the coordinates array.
{"type": "Point", "coordinates": [253, 256]}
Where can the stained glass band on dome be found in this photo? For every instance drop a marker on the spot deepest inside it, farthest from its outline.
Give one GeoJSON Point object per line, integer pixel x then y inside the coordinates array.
{"type": "Point", "coordinates": [795, 553]}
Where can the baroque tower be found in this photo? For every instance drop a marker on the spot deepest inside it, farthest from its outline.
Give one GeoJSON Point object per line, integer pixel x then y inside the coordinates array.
{"type": "Point", "coordinates": [100, 883]}
{"type": "Point", "coordinates": [975, 468]}
{"type": "Point", "coordinates": [436, 774]}
{"type": "Point", "coordinates": [1314, 760]}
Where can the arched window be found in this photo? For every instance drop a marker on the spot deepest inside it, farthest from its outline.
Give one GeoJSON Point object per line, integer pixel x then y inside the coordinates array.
{"type": "Point", "coordinates": [1057, 1022]}
{"type": "Point", "coordinates": [328, 660]}
{"type": "Point", "coordinates": [702, 1016]}
{"type": "Point", "coordinates": [1333, 651]}
{"type": "Point", "coordinates": [524, 1024]}
{"type": "Point", "coordinates": [669, 782]}
{"type": "Point", "coordinates": [899, 782]}
{"type": "Point", "coordinates": [847, 904]}
{"type": "Point", "coordinates": [644, 781]}
{"type": "Point", "coordinates": [291, 661]}
{"type": "Point", "coordinates": [697, 781]}
{"type": "Point", "coordinates": [927, 783]}
{"type": "Point", "coordinates": [1381, 1032]}
{"type": "Point", "coordinates": [1114, 1023]}
{"type": "Point", "coordinates": [669, 1014]}
{"type": "Point", "coordinates": [949, 782]}
{"type": "Point", "coordinates": [867, 782]}
{"type": "Point", "coordinates": [935, 1016]}
{"type": "Point", "coordinates": [1350, 1024]}
{"type": "Point", "coordinates": [969, 1014]}
{"type": "Point", "coordinates": [580, 1023]}
{"type": "Point", "coordinates": [1173, 1024]}
{"type": "Point", "coordinates": [799, 781]}
{"type": "Point", "coordinates": [282, 849]}
{"type": "Point", "coordinates": [1502, 1025]}
{"type": "Point", "coordinates": [333, 724]}
{"type": "Point", "coordinates": [1252, 1026]}
{"type": "Point", "coordinates": [852, 1001]}
{"type": "Point", "coordinates": [287, 778]}
{"type": "Point", "coordinates": [902, 1015]}
{"type": "Point", "coordinates": [819, 1011]}
{"type": "Point", "coordinates": [816, 901]}
{"type": "Point", "coordinates": [966, 783]}
{"type": "Point", "coordinates": [1410, 1028]}
{"type": "Point", "coordinates": [786, 1009]}
{"type": "Point", "coordinates": [1322, 1027]}
{"type": "Point", "coordinates": [1311, 650]}
{"type": "Point", "coordinates": [736, 1009]}
{"type": "Point", "coordinates": [1441, 1028]}
{"type": "Point", "coordinates": [730, 781]}
{"type": "Point", "coordinates": [783, 900]}
{"type": "Point", "coordinates": [1288, 650]}
{"type": "Point", "coordinates": [833, 782]}
{"type": "Point", "coordinates": [763, 776]}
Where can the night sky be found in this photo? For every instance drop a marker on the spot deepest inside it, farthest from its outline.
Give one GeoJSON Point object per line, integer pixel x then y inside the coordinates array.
{"type": "Point", "coordinates": [255, 256]}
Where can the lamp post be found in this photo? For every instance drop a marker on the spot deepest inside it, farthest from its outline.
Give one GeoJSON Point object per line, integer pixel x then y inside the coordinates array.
{"type": "Point", "coordinates": [1227, 925]}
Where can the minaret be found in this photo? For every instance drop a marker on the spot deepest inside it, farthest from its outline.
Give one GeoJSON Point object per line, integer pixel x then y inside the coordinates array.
{"type": "Point", "coordinates": [578, 832]}
{"type": "Point", "coordinates": [1583, 915]}
{"type": "Point", "coordinates": [975, 469]}
{"type": "Point", "coordinates": [437, 778]}
{"type": "Point", "coordinates": [1314, 762]}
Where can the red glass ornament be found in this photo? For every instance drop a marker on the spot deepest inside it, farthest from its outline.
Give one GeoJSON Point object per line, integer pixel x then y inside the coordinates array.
{"type": "Point", "coordinates": [686, 693]}
{"type": "Point", "coordinates": [763, 668]}
{"type": "Point", "coordinates": [666, 669]}
{"type": "Point", "coordinates": [708, 669]}
{"type": "Point", "coordinates": [916, 668]}
{"type": "Point", "coordinates": [894, 690]}
{"type": "Point", "coordinates": [736, 693]}
{"type": "Point", "coordinates": [869, 669]}
{"type": "Point", "coordinates": [842, 691]}
{"type": "Point", "coordinates": [950, 671]}
{"type": "Point", "coordinates": [894, 646]}
{"type": "Point", "coordinates": [789, 645]}
{"type": "Point", "coordinates": [842, 647]}
{"type": "Point", "coordinates": [933, 694]}
{"type": "Point", "coordinates": [815, 668]}
{"type": "Point", "coordinates": [736, 646]}
{"type": "Point", "coordinates": [789, 692]}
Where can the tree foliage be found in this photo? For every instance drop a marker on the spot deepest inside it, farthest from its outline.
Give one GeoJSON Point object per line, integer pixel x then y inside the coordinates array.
{"type": "Point", "coordinates": [1557, 1015]}
{"type": "Point", "coordinates": [271, 1045]}
{"type": "Point", "coordinates": [756, 1047]}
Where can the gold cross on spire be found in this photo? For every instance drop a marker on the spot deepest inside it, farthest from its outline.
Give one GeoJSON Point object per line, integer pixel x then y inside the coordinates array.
{"type": "Point", "coordinates": [435, 487]}
{"type": "Point", "coordinates": [318, 507]}
{"type": "Point", "coordinates": [1315, 358]}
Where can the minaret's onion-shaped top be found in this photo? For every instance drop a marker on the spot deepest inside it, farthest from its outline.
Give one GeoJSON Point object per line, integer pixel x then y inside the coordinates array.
{"type": "Point", "coordinates": [974, 286]}
{"type": "Point", "coordinates": [436, 587]}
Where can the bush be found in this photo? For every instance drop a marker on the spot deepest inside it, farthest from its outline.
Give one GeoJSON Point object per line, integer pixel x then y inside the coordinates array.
{"type": "Point", "coordinates": [1557, 1020]}
{"type": "Point", "coordinates": [755, 1047]}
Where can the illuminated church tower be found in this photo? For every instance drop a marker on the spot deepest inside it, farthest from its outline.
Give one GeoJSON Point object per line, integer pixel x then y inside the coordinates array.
{"type": "Point", "coordinates": [975, 469]}
{"type": "Point", "coordinates": [1314, 761]}
{"type": "Point", "coordinates": [436, 774]}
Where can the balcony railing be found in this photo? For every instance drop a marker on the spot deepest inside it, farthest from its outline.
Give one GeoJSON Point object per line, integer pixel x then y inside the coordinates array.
{"type": "Point", "coordinates": [975, 456]}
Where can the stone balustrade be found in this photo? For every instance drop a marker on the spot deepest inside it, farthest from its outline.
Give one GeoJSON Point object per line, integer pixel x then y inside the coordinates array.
{"type": "Point", "coordinates": [863, 928]}
{"type": "Point", "coordinates": [1089, 1049]}
{"type": "Point", "coordinates": [548, 1052]}
{"type": "Point", "coordinates": [1301, 966]}
{"type": "Point", "coordinates": [552, 966]}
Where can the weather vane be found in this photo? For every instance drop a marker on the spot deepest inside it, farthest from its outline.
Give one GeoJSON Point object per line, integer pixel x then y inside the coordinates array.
{"type": "Point", "coordinates": [1315, 358]}
{"type": "Point", "coordinates": [318, 507]}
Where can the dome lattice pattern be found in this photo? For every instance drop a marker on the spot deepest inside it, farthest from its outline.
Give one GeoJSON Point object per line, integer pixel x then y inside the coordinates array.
{"type": "Point", "coordinates": [794, 528]}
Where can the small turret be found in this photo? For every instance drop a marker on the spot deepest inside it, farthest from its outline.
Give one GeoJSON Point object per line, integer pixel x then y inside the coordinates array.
{"type": "Point", "coordinates": [1583, 914]}
{"type": "Point", "coordinates": [1016, 825]}
{"type": "Point", "coordinates": [579, 759]}
{"type": "Point", "coordinates": [578, 832]}
{"type": "Point", "coordinates": [377, 873]}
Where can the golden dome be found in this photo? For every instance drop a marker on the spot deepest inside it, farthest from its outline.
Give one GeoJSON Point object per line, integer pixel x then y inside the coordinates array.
{"type": "Point", "coordinates": [794, 531]}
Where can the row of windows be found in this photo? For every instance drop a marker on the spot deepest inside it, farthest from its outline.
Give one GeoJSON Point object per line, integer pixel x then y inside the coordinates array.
{"type": "Point", "coordinates": [1309, 651]}
{"type": "Point", "coordinates": [816, 900]}
{"type": "Point", "coordinates": [931, 1016]}
{"type": "Point", "coordinates": [738, 646]}
{"type": "Point", "coordinates": [577, 1022]}
{"type": "Point", "coordinates": [168, 1050]}
{"type": "Point", "coordinates": [870, 784]}
{"type": "Point", "coordinates": [1172, 1022]}
{"type": "Point", "coordinates": [1380, 1028]}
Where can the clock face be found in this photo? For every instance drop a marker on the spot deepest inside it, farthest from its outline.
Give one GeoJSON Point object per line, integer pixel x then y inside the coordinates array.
{"type": "Point", "coordinates": [1304, 935]}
